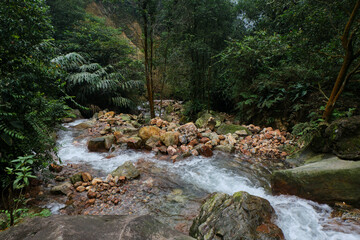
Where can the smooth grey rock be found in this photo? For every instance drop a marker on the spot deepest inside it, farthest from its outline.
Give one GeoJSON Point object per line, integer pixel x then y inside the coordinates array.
{"type": "Point", "coordinates": [92, 228]}
{"type": "Point", "coordinates": [327, 181]}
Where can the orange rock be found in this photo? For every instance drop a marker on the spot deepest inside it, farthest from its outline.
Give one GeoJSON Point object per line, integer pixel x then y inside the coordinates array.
{"type": "Point", "coordinates": [109, 114]}
{"type": "Point", "coordinates": [195, 152]}
{"type": "Point", "coordinates": [159, 122]}
{"type": "Point", "coordinates": [55, 168]}
{"type": "Point", "coordinates": [96, 181]}
{"type": "Point", "coordinates": [153, 121]}
{"type": "Point", "coordinates": [117, 135]}
{"type": "Point", "coordinates": [86, 177]}
{"type": "Point", "coordinates": [206, 151]}
{"type": "Point", "coordinates": [204, 140]}
{"type": "Point", "coordinates": [80, 188]}
{"type": "Point", "coordinates": [173, 158]}
{"type": "Point", "coordinates": [268, 136]}
{"type": "Point", "coordinates": [193, 142]}
{"type": "Point", "coordinates": [91, 194]}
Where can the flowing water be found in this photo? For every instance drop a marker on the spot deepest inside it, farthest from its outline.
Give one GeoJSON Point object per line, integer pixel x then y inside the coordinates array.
{"type": "Point", "coordinates": [196, 177]}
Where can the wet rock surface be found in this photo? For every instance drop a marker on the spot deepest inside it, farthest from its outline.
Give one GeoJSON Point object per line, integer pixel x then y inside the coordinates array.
{"type": "Point", "coordinates": [241, 216]}
{"type": "Point", "coordinates": [93, 228]}
{"type": "Point", "coordinates": [328, 181]}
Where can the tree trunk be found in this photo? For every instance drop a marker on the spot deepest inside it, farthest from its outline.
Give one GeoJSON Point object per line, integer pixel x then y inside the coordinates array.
{"type": "Point", "coordinates": [343, 76]}
{"type": "Point", "coordinates": [164, 77]}
{"type": "Point", "coordinates": [146, 51]}
{"type": "Point", "coordinates": [337, 89]}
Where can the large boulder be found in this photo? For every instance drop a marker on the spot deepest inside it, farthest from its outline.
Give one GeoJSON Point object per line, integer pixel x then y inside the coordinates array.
{"type": "Point", "coordinates": [170, 138]}
{"type": "Point", "coordinates": [326, 181]}
{"type": "Point", "coordinates": [92, 228]}
{"type": "Point", "coordinates": [342, 137]}
{"type": "Point", "coordinates": [241, 216]}
{"type": "Point", "coordinates": [127, 169]}
{"type": "Point", "coordinates": [146, 132]}
{"type": "Point", "coordinates": [231, 128]}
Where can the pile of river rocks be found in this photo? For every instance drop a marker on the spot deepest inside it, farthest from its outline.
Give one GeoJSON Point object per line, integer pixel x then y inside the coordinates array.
{"type": "Point", "coordinates": [83, 190]}
{"type": "Point", "coordinates": [177, 141]}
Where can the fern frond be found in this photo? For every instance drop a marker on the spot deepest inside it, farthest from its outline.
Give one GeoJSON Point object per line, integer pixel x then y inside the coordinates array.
{"type": "Point", "coordinates": [90, 67]}
{"type": "Point", "coordinates": [128, 85]}
{"type": "Point", "coordinates": [69, 61]}
{"type": "Point", "coordinates": [82, 77]}
{"type": "Point", "coordinates": [121, 102]}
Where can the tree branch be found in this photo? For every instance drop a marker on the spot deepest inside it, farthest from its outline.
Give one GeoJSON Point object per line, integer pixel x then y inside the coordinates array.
{"type": "Point", "coordinates": [345, 36]}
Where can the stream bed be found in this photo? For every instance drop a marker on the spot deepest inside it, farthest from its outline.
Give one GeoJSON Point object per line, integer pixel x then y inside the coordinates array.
{"type": "Point", "coordinates": [174, 192]}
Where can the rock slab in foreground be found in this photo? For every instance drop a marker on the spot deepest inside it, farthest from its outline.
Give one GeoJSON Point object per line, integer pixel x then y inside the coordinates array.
{"type": "Point", "coordinates": [328, 181]}
{"type": "Point", "coordinates": [93, 228]}
{"type": "Point", "coordinates": [241, 216]}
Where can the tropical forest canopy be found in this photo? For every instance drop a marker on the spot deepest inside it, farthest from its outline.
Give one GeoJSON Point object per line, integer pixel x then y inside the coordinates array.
{"type": "Point", "coordinates": [294, 63]}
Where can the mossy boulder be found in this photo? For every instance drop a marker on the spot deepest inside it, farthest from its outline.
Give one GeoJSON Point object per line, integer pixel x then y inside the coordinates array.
{"type": "Point", "coordinates": [125, 117]}
{"type": "Point", "coordinates": [326, 181]}
{"type": "Point", "coordinates": [342, 137]}
{"type": "Point", "coordinates": [241, 216]}
{"type": "Point", "coordinates": [231, 128]}
{"type": "Point", "coordinates": [76, 178]}
{"type": "Point", "coordinates": [206, 118]}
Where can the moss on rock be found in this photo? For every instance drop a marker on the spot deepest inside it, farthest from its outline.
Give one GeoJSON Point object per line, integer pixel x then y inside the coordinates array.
{"type": "Point", "coordinates": [231, 128]}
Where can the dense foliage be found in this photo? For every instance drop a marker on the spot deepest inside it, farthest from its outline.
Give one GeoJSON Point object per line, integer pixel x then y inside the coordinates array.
{"type": "Point", "coordinates": [265, 61]}
{"type": "Point", "coordinates": [30, 100]}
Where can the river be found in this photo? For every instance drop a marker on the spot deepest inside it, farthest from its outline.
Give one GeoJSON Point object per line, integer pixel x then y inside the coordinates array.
{"type": "Point", "coordinates": [196, 177]}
